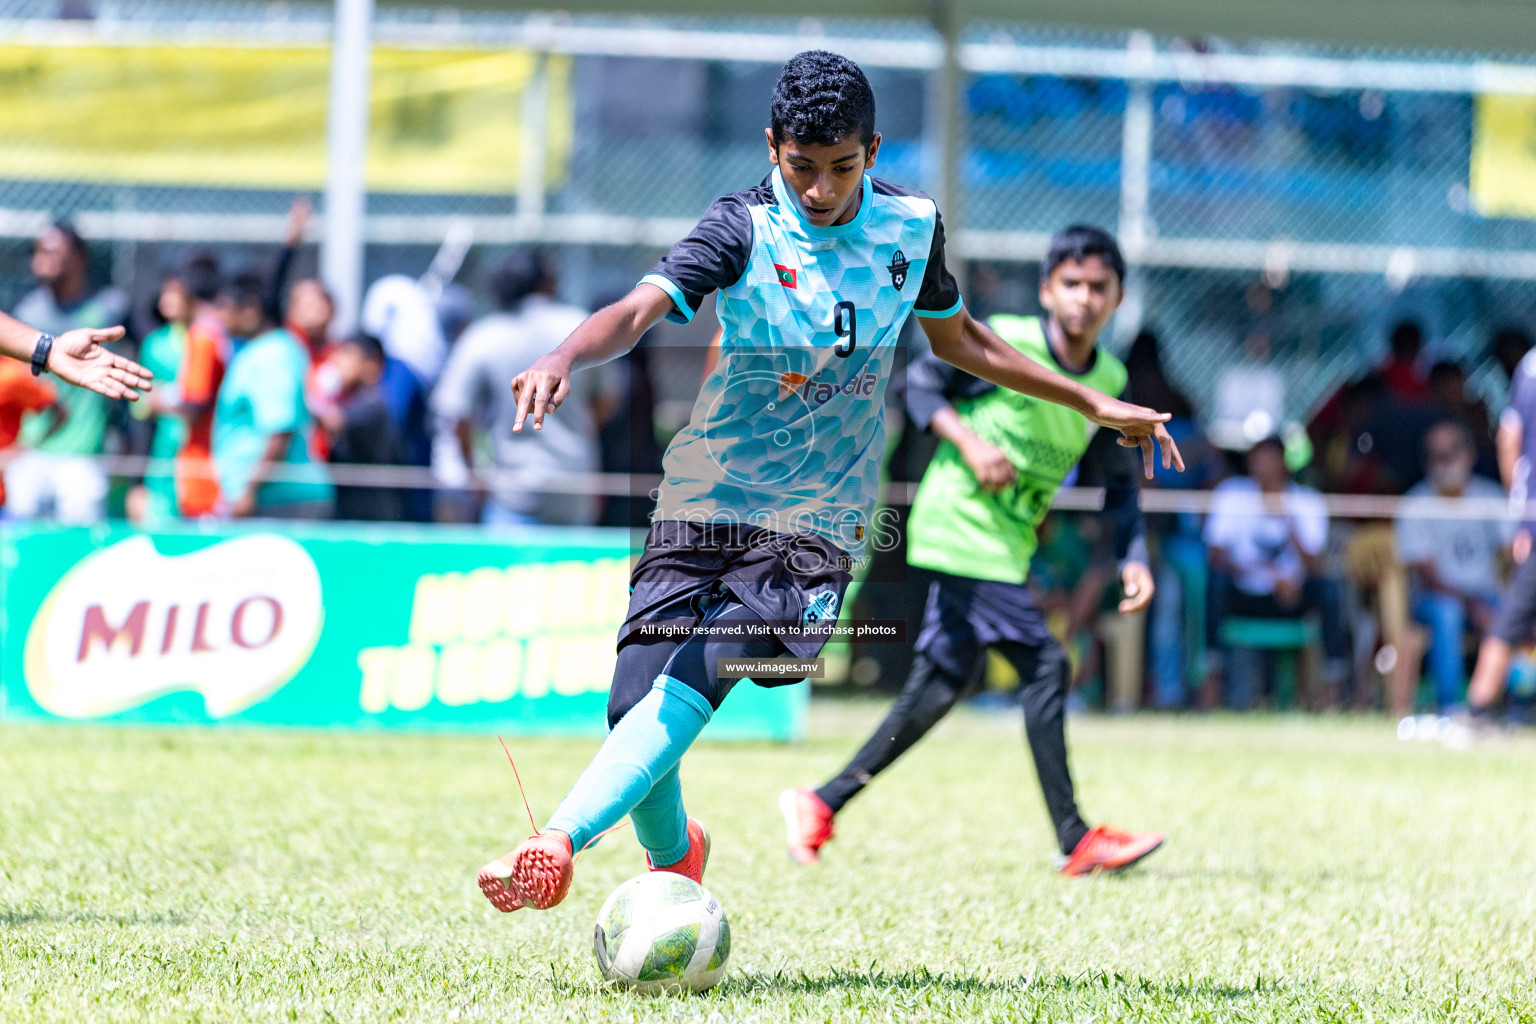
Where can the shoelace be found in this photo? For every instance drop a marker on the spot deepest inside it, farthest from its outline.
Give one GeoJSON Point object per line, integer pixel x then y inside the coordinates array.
{"type": "Point", "coordinates": [575, 854]}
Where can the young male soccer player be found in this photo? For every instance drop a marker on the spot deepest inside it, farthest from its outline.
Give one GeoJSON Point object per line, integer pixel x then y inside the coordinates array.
{"type": "Point", "coordinates": [1001, 459]}
{"type": "Point", "coordinates": [766, 495]}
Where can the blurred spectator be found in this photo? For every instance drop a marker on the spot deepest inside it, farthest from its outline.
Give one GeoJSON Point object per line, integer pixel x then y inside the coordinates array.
{"type": "Point", "coordinates": [1402, 373]}
{"type": "Point", "coordinates": [361, 429]}
{"type": "Point", "coordinates": [1348, 461]}
{"type": "Point", "coordinates": [627, 439]}
{"type": "Point", "coordinates": [1250, 395]}
{"type": "Point", "coordinates": [474, 396]}
{"type": "Point", "coordinates": [307, 314]}
{"type": "Point", "coordinates": [1509, 346]}
{"type": "Point", "coordinates": [455, 307]}
{"type": "Point", "coordinates": [1266, 535]}
{"type": "Point", "coordinates": [57, 471]}
{"type": "Point", "coordinates": [1448, 395]}
{"type": "Point", "coordinates": [261, 422]}
{"type": "Point", "coordinates": [188, 354]}
{"type": "Point", "coordinates": [161, 353]}
{"type": "Point", "coordinates": [1073, 577]}
{"type": "Point", "coordinates": [398, 311]}
{"type": "Point", "coordinates": [21, 393]}
{"type": "Point", "coordinates": [1454, 562]}
{"type": "Point", "coordinates": [196, 387]}
{"type": "Point", "coordinates": [1177, 618]}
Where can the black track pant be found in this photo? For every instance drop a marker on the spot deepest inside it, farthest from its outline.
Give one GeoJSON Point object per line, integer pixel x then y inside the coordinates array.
{"type": "Point", "coordinates": [929, 694]}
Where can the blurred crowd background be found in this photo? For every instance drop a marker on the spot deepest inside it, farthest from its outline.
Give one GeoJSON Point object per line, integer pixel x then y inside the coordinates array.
{"type": "Point", "coordinates": [1334, 267]}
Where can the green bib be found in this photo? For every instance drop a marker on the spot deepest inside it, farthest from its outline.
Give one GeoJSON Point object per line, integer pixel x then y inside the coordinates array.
{"type": "Point", "coordinates": [958, 528]}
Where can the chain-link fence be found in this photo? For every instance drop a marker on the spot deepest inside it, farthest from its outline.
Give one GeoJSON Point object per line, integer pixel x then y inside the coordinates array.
{"type": "Point", "coordinates": [1281, 204]}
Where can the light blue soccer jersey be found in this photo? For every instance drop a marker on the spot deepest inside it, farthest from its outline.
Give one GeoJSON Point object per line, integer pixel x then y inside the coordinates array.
{"type": "Point", "coordinates": [788, 431]}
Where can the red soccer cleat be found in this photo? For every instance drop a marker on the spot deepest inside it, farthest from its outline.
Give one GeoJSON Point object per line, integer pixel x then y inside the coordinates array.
{"type": "Point", "coordinates": [695, 860]}
{"type": "Point", "coordinates": [807, 822]}
{"type": "Point", "coordinates": [1109, 849]}
{"type": "Point", "coordinates": [537, 874]}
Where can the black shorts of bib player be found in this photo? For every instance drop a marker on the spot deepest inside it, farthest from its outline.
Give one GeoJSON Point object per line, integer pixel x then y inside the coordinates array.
{"type": "Point", "coordinates": [760, 594]}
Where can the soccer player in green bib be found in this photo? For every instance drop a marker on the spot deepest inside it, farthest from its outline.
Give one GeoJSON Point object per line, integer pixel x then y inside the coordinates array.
{"type": "Point", "coordinates": [1001, 458]}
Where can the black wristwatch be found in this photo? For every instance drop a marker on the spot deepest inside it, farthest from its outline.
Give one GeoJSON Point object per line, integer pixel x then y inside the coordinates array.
{"type": "Point", "coordinates": [40, 354]}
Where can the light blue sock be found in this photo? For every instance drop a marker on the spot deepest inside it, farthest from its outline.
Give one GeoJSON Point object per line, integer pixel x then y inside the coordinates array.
{"type": "Point", "coordinates": [661, 824]}
{"type": "Point", "coordinates": [641, 750]}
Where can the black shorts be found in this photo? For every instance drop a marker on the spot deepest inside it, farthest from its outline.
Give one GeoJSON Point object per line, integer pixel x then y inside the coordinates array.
{"type": "Point", "coordinates": [965, 616]}
{"type": "Point", "coordinates": [793, 582]}
{"type": "Point", "coordinates": [1517, 606]}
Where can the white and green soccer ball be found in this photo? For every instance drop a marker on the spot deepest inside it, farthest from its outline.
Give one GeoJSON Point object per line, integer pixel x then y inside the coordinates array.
{"type": "Point", "coordinates": [662, 931]}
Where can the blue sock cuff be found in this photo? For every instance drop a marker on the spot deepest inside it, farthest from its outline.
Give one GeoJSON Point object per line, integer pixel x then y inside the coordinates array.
{"type": "Point", "coordinates": [673, 687]}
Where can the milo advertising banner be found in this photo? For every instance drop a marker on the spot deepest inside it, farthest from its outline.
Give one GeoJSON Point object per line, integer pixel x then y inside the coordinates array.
{"type": "Point", "coordinates": [332, 625]}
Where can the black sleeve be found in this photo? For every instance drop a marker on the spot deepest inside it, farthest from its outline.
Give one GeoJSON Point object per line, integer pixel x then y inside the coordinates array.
{"type": "Point", "coordinates": [272, 301]}
{"type": "Point", "coordinates": [1118, 470]}
{"type": "Point", "coordinates": [713, 256]}
{"type": "Point", "coordinates": [932, 384]}
{"type": "Point", "coordinates": [940, 295]}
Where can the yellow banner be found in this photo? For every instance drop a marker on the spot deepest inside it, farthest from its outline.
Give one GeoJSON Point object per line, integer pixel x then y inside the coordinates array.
{"type": "Point", "coordinates": [236, 117]}
{"type": "Point", "coordinates": [1504, 156]}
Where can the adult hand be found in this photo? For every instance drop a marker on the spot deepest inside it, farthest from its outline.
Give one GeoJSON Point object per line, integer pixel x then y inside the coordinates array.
{"type": "Point", "coordinates": [79, 357]}
{"type": "Point", "coordinates": [989, 463]}
{"type": "Point", "coordinates": [1136, 581]}
{"type": "Point", "coordinates": [540, 389]}
{"type": "Point", "coordinates": [1143, 428]}
{"type": "Point", "coordinates": [1521, 549]}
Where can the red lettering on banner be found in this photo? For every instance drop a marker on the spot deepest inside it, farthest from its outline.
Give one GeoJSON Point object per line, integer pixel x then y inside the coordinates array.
{"type": "Point", "coordinates": [200, 630]}
{"type": "Point", "coordinates": [237, 622]}
{"type": "Point", "coordinates": [97, 628]}
{"type": "Point", "coordinates": [171, 615]}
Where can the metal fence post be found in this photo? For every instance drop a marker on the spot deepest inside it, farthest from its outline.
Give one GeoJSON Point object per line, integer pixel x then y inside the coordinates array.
{"type": "Point", "coordinates": [535, 146]}
{"type": "Point", "coordinates": [944, 136]}
{"type": "Point", "coordinates": [1135, 171]}
{"type": "Point", "coordinates": [341, 251]}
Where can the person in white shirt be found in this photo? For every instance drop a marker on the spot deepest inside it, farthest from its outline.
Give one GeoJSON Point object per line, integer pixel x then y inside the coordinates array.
{"type": "Point", "coordinates": [1454, 559]}
{"type": "Point", "coordinates": [1265, 537]}
{"type": "Point", "coordinates": [472, 399]}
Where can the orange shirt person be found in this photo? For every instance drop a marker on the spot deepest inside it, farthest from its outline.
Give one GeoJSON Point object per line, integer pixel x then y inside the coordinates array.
{"type": "Point", "coordinates": [20, 393]}
{"type": "Point", "coordinates": [202, 371]}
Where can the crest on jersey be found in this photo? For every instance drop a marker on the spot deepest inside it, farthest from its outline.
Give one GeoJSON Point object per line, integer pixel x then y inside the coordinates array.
{"type": "Point", "coordinates": [820, 609]}
{"type": "Point", "coordinates": [898, 269]}
{"type": "Point", "coordinates": [786, 275]}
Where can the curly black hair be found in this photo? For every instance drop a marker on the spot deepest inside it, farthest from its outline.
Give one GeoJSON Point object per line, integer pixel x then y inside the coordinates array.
{"type": "Point", "coordinates": [1077, 242]}
{"type": "Point", "coordinates": [822, 97]}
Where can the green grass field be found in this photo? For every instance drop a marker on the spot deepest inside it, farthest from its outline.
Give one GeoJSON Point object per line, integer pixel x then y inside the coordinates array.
{"type": "Point", "coordinates": [1316, 870]}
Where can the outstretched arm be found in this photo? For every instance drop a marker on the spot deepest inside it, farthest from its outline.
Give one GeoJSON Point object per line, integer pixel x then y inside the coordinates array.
{"type": "Point", "coordinates": [79, 358]}
{"type": "Point", "coordinates": [961, 341]}
{"type": "Point", "coordinates": [611, 331]}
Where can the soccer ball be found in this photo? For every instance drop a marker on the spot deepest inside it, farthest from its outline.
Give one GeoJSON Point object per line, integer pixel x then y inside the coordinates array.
{"type": "Point", "coordinates": [662, 931]}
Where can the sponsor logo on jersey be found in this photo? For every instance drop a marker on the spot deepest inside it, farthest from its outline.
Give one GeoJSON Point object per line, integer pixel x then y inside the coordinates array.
{"type": "Point", "coordinates": [818, 391]}
{"type": "Point", "coordinates": [898, 269]}
{"type": "Point", "coordinates": [790, 382]}
{"type": "Point", "coordinates": [786, 275]}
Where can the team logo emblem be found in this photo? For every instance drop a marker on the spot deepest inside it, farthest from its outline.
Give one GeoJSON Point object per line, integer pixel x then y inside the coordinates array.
{"type": "Point", "coordinates": [898, 269]}
{"type": "Point", "coordinates": [786, 275]}
{"type": "Point", "coordinates": [821, 608]}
